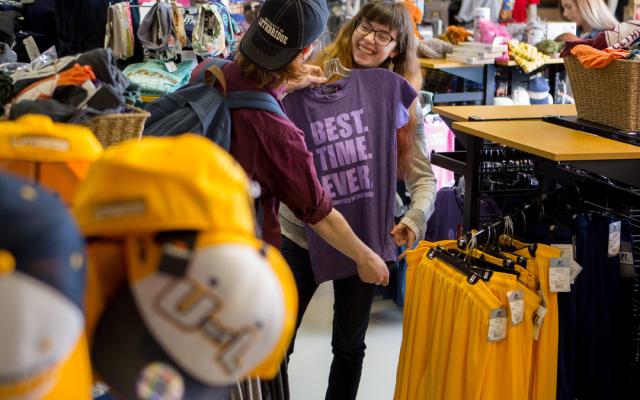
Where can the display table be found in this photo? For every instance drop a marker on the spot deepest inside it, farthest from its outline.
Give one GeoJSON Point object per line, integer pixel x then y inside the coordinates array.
{"type": "Point", "coordinates": [511, 63]}
{"type": "Point", "coordinates": [484, 74]}
{"type": "Point", "coordinates": [495, 113]}
{"type": "Point", "coordinates": [554, 66]}
{"type": "Point", "coordinates": [555, 144]}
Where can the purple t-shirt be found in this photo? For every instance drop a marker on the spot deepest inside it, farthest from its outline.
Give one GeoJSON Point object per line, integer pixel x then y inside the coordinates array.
{"type": "Point", "coordinates": [350, 128]}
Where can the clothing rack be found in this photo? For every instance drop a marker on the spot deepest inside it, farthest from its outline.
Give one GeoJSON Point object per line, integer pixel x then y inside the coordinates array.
{"type": "Point", "coordinates": [524, 213]}
{"type": "Point", "coordinates": [149, 5]}
{"type": "Point", "coordinates": [11, 3]}
{"type": "Point", "coordinates": [484, 234]}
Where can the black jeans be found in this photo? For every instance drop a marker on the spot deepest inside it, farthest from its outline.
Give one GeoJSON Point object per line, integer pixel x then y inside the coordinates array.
{"type": "Point", "coordinates": [351, 309]}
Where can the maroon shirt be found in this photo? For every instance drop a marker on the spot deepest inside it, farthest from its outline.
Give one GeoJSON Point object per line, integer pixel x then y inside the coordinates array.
{"type": "Point", "coordinates": [272, 151]}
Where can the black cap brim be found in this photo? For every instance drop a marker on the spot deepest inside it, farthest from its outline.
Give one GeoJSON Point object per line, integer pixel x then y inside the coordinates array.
{"type": "Point", "coordinates": [123, 346]}
{"type": "Point", "coordinates": [263, 53]}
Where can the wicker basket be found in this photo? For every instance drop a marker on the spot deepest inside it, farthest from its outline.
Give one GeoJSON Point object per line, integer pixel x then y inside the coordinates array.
{"type": "Point", "coordinates": [607, 96]}
{"type": "Point", "coordinates": [115, 128]}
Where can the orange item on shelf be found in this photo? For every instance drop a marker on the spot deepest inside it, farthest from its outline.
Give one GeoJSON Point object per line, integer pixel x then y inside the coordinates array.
{"type": "Point", "coordinates": [416, 15]}
{"type": "Point", "coordinates": [455, 34]}
{"type": "Point", "coordinates": [590, 57]}
{"type": "Point", "coordinates": [44, 88]}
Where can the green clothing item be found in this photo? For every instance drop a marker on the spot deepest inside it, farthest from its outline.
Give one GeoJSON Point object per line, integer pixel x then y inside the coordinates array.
{"type": "Point", "coordinates": [154, 78]}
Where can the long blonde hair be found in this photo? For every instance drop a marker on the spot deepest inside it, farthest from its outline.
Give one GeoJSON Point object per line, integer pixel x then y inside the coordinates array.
{"type": "Point", "coordinates": [395, 16]}
{"type": "Point", "coordinates": [596, 14]}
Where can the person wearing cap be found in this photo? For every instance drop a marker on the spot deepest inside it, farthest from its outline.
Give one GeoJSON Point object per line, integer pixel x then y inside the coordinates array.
{"type": "Point", "coordinates": [380, 35]}
{"type": "Point", "coordinates": [269, 147]}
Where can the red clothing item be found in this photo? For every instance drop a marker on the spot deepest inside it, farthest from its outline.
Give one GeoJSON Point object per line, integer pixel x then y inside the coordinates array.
{"type": "Point", "coordinates": [520, 9]}
{"type": "Point", "coordinates": [272, 151]}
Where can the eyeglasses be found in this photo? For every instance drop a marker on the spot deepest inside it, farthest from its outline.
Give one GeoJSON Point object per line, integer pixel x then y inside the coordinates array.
{"type": "Point", "coordinates": [382, 38]}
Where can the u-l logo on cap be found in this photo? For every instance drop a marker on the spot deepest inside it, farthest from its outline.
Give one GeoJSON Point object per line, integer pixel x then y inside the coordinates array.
{"type": "Point", "coordinates": [189, 306]}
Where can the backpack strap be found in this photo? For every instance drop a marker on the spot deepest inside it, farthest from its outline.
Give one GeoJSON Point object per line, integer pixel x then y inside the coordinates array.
{"type": "Point", "coordinates": [240, 98]}
{"type": "Point", "coordinates": [214, 74]}
{"type": "Point", "coordinates": [252, 99]}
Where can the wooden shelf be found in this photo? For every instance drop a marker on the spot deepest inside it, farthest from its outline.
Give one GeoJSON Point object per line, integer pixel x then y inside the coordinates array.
{"type": "Point", "coordinates": [441, 63]}
{"type": "Point", "coordinates": [488, 113]}
{"type": "Point", "coordinates": [550, 141]}
{"type": "Point", "coordinates": [512, 63]}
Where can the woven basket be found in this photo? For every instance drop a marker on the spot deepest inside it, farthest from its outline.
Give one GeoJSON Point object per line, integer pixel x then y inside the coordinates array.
{"type": "Point", "coordinates": [115, 128]}
{"type": "Point", "coordinates": [607, 96]}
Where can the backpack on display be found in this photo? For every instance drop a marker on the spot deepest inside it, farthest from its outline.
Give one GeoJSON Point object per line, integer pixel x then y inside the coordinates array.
{"type": "Point", "coordinates": [202, 108]}
{"type": "Point", "coordinates": [157, 33]}
{"type": "Point", "coordinates": [208, 38]}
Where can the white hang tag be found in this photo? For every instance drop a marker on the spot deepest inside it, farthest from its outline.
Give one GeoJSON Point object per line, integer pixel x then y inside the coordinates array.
{"type": "Point", "coordinates": [614, 239]}
{"type": "Point", "coordinates": [627, 269]}
{"type": "Point", "coordinates": [575, 271]}
{"type": "Point", "coordinates": [568, 257]}
{"type": "Point", "coordinates": [32, 48]}
{"type": "Point", "coordinates": [538, 318]}
{"type": "Point", "coordinates": [497, 325]}
{"type": "Point", "coordinates": [171, 66]}
{"type": "Point", "coordinates": [516, 306]}
{"type": "Point", "coordinates": [559, 275]}
{"type": "Point", "coordinates": [626, 253]}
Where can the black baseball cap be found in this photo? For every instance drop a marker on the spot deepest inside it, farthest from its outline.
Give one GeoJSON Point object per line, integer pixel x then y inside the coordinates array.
{"type": "Point", "coordinates": [282, 30]}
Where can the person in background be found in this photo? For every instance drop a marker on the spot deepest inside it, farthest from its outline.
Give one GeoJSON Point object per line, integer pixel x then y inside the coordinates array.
{"type": "Point", "coordinates": [269, 147]}
{"type": "Point", "coordinates": [379, 36]}
{"type": "Point", "coordinates": [591, 16]}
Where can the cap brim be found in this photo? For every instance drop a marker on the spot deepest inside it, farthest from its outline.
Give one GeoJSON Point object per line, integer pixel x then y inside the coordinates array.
{"type": "Point", "coordinates": [263, 53]}
{"type": "Point", "coordinates": [123, 347]}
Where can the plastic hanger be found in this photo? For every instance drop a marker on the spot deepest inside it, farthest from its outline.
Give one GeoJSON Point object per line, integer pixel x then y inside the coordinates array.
{"type": "Point", "coordinates": [333, 67]}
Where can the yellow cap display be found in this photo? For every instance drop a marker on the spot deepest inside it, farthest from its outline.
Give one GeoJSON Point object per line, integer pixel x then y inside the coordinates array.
{"type": "Point", "coordinates": [37, 138]}
{"type": "Point", "coordinates": [186, 182]}
{"type": "Point", "coordinates": [202, 189]}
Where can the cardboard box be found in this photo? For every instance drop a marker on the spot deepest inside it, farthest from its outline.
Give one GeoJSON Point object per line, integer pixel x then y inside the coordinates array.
{"type": "Point", "coordinates": [555, 29]}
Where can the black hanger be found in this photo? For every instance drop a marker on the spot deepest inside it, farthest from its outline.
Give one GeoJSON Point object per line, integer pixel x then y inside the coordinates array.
{"type": "Point", "coordinates": [472, 275]}
{"type": "Point", "coordinates": [482, 265]}
{"type": "Point", "coordinates": [480, 262]}
{"type": "Point", "coordinates": [492, 248]}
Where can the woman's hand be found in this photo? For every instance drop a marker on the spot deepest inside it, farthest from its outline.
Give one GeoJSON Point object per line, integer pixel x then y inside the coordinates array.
{"type": "Point", "coordinates": [313, 77]}
{"type": "Point", "coordinates": [402, 234]}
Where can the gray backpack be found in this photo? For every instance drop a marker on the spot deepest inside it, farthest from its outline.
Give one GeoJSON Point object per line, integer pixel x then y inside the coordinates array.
{"type": "Point", "coordinates": [200, 107]}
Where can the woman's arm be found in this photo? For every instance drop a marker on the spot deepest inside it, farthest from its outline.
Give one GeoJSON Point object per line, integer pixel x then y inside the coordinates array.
{"type": "Point", "coordinates": [335, 230]}
{"type": "Point", "coordinates": [421, 184]}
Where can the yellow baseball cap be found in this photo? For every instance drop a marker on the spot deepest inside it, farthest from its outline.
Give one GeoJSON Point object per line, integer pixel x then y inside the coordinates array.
{"type": "Point", "coordinates": [212, 302]}
{"type": "Point", "coordinates": [162, 184]}
{"type": "Point", "coordinates": [56, 155]}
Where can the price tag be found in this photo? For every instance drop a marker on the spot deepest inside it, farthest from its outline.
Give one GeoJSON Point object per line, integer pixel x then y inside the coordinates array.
{"type": "Point", "coordinates": [568, 257]}
{"type": "Point", "coordinates": [559, 276]}
{"type": "Point", "coordinates": [627, 270]}
{"type": "Point", "coordinates": [575, 271]}
{"type": "Point", "coordinates": [538, 317]}
{"type": "Point", "coordinates": [516, 306]}
{"type": "Point", "coordinates": [614, 239]}
{"type": "Point", "coordinates": [626, 253]}
{"type": "Point", "coordinates": [497, 325]}
{"type": "Point", "coordinates": [171, 66]}
{"type": "Point", "coordinates": [32, 48]}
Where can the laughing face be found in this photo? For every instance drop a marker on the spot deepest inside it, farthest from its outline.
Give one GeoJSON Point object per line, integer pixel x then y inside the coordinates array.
{"type": "Point", "coordinates": [372, 44]}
